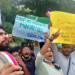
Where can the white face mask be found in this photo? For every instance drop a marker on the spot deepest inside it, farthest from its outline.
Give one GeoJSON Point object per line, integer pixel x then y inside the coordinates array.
{"type": "Point", "coordinates": [49, 60]}
{"type": "Point", "coordinates": [59, 45]}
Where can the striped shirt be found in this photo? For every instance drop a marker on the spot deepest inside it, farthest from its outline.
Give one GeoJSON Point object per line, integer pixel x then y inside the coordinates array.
{"type": "Point", "coordinates": [63, 62]}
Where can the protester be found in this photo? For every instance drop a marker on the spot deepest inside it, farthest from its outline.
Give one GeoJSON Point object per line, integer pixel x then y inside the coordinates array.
{"type": "Point", "coordinates": [44, 63]}
{"type": "Point", "coordinates": [7, 69]}
{"type": "Point", "coordinates": [15, 54]}
{"type": "Point", "coordinates": [28, 60]}
{"type": "Point", "coordinates": [64, 59]}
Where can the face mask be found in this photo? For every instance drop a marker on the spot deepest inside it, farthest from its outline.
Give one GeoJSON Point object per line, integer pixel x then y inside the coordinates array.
{"type": "Point", "coordinates": [25, 58]}
{"type": "Point", "coordinates": [49, 60]}
{"type": "Point", "coordinates": [59, 45]}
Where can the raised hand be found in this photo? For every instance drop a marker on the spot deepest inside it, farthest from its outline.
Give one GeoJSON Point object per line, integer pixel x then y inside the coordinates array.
{"type": "Point", "coordinates": [54, 35]}
{"type": "Point", "coordinates": [10, 69]}
{"type": "Point", "coordinates": [46, 35]}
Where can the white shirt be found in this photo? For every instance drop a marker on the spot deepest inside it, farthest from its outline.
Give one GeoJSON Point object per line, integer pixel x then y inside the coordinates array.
{"type": "Point", "coordinates": [44, 68]}
{"type": "Point", "coordinates": [60, 59]}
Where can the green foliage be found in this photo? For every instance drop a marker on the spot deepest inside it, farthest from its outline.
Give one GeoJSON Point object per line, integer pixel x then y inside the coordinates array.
{"type": "Point", "coordinates": [42, 6]}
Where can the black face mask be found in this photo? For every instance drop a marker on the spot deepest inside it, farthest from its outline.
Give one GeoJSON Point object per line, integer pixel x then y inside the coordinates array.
{"type": "Point", "coordinates": [25, 58]}
{"type": "Point", "coordinates": [4, 48]}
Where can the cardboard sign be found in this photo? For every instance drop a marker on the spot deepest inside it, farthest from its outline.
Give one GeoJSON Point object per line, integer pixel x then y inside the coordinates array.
{"type": "Point", "coordinates": [62, 19]}
{"type": "Point", "coordinates": [65, 37]}
{"type": "Point", "coordinates": [29, 29]}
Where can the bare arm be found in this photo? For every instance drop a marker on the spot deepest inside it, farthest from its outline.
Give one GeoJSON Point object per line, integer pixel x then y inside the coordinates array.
{"type": "Point", "coordinates": [43, 50]}
{"type": "Point", "coordinates": [47, 44]}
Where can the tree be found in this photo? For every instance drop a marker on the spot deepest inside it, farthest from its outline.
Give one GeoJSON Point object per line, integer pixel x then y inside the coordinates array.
{"type": "Point", "coordinates": [42, 6]}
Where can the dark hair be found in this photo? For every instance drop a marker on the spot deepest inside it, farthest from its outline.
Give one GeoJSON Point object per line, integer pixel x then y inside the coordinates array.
{"type": "Point", "coordinates": [18, 47]}
{"type": "Point", "coordinates": [1, 27]}
{"type": "Point", "coordinates": [23, 43]}
{"type": "Point", "coordinates": [41, 44]}
{"type": "Point", "coordinates": [11, 50]}
{"type": "Point", "coordinates": [23, 47]}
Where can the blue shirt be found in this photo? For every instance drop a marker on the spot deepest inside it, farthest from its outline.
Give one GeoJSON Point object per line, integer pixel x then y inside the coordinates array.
{"type": "Point", "coordinates": [30, 64]}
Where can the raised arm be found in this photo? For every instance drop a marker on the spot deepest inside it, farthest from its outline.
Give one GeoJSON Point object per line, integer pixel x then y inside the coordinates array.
{"type": "Point", "coordinates": [47, 44]}
{"type": "Point", "coordinates": [43, 50]}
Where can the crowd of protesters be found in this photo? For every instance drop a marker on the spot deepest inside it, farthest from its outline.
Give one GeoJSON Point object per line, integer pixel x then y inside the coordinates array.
{"type": "Point", "coordinates": [47, 58]}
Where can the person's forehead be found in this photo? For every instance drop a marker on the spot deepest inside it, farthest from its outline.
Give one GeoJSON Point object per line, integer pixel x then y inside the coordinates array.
{"type": "Point", "coordinates": [15, 53]}
{"type": "Point", "coordinates": [26, 48]}
{"type": "Point", "coordinates": [67, 45]}
{"type": "Point", "coordinates": [49, 49]}
{"type": "Point", "coordinates": [2, 31]}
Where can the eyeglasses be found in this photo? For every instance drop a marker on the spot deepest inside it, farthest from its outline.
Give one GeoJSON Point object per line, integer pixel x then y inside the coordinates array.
{"type": "Point", "coordinates": [27, 49]}
{"type": "Point", "coordinates": [17, 56]}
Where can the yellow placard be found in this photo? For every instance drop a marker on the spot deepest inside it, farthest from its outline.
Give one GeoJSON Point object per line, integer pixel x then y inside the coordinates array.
{"type": "Point", "coordinates": [62, 19]}
{"type": "Point", "coordinates": [65, 37]}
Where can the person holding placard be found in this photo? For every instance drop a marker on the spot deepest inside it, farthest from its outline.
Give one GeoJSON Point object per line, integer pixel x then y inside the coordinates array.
{"type": "Point", "coordinates": [65, 59]}
{"type": "Point", "coordinates": [44, 63]}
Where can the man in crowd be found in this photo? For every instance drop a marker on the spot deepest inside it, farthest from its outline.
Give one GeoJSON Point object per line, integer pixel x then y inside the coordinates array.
{"type": "Point", "coordinates": [28, 60]}
{"type": "Point", "coordinates": [65, 59]}
{"type": "Point", "coordinates": [7, 69]}
{"type": "Point", "coordinates": [15, 54]}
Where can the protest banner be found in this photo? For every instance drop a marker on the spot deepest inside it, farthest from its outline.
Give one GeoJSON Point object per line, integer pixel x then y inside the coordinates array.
{"type": "Point", "coordinates": [44, 20]}
{"type": "Point", "coordinates": [29, 29]}
{"type": "Point", "coordinates": [62, 19]}
{"type": "Point", "coordinates": [65, 37]}
{"type": "Point", "coordinates": [66, 23]}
